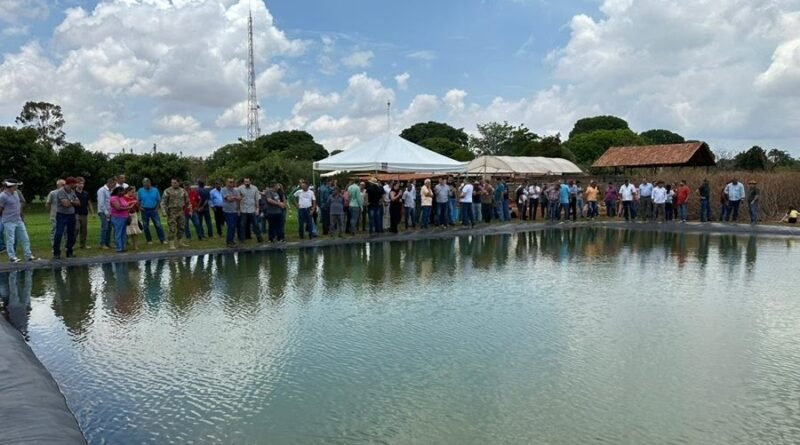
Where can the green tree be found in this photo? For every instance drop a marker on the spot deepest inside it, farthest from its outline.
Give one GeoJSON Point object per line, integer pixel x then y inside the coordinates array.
{"type": "Point", "coordinates": [463, 155]}
{"type": "Point", "coordinates": [160, 168]}
{"type": "Point", "coordinates": [552, 147]}
{"type": "Point", "coordinates": [22, 157]}
{"type": "Point", "coordinates": [753, 159]}
{"type": "Point", "coordinates": [295, 144]}
{"type": "Point", "coordinates": [430, 130]}
{"type": "Point", "coordinates": [493, 140]}
{"type": "Point", "coordinates": [587, 147]}
{"type": "Point", "coordinates": [443, 146]}
{"type": "Point", "coordinates": [780, 158]}
{"type": "Point", "coordinates": [47, 119]}
{"type": "Point", "coordinates": [336, 152]}
{"type": "Point", "coordinates": [662, 137]}
{"type": "Point", "coordinates": [590, 124]}
{"type": "Point", "coordinates": [74, 160]}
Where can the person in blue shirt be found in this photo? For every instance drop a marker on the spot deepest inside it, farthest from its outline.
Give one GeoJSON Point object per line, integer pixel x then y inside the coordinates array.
{"type": "Point", "coordinates": [204, 209]}
{"type": "Point", "coordinates": [499, 192]}
{"type": "Point", "coordinates": [216, 202]}
{"type": "Point", "coordinates": [325, 192]}
{"type": "Point", "coordinates": [563, 196]}
{"type": "Point", "coordinates": [150, 201]}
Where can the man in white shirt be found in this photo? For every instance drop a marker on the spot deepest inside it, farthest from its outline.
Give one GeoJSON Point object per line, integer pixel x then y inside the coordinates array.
{"type": "Point", "coordinates": [104, 212]}
{"type": "Point", "coordinates": [534, 191]}
{"type": "Point", "coordinates": [466, 205]}
{"type": "Point", "coordinates": [735, 193]}
{"type": "Point", "coordinates": [306, 206]}
{"type": "Point", "coordinates": [646, 200]}
{"type": "Point", "coordinates": [659, 201]}
{"type": "Point", "coordinates": [627, 191]}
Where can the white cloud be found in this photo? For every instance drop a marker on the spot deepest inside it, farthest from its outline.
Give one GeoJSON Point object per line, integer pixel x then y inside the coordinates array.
{"type": "Point", "coordinates": [402, 81]}
{"type": "Point", "coordinates": [454, 100]}
{"type": "Point", "coordinates": [783, 75]}
{"type": "Point", "coordinates": [359, 59]}
{"type": "Point", "coordinates": [176, 123]}
{"type": "Point", "coordinates": [198, 143]}
{"type": "Point", "coordinates": [233, 116]}
{"type": "Point", "coordinates": [14, 11]}
{"type": "Point", "coordinates": [315, 102]}
{"type": "Point", "coordinates": [426, 55]}
{"type": "Point", "coordinates": [367, 95]}
{"type": "Point", "coordinates": [15, 31]}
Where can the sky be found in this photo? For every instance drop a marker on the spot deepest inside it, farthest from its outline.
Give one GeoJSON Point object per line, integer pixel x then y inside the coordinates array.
{"type": "Point", "coordinates": [131, 73]}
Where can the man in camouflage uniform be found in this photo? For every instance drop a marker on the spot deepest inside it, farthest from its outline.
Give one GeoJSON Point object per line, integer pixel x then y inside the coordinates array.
{"type": "Point", "coordinates": [174, 200]}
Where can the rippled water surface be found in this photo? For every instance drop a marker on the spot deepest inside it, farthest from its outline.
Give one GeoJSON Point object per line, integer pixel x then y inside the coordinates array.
{"type": "Point", "coordinates": [561, 337]}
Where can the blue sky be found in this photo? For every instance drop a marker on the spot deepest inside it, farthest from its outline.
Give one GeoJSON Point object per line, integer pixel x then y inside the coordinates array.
{"type": "Point", "coordinates": [129, 73]}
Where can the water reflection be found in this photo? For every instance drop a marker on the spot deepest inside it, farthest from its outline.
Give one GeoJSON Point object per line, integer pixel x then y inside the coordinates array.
{"type": "Point", "coordinates": [15, 292]}
{"type": "Point", "coordinates": [241, 282]}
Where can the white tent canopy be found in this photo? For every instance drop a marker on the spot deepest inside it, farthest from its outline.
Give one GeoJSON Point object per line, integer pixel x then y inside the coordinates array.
{"type": "Point", "coordinates": [521, 165]}
{"type": "Point", "coordinates": [392, 154]}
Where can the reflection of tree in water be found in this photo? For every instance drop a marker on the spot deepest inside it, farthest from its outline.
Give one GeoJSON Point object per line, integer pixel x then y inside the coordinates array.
{"type": "Point", "coordinates": [277, 264]}
{"type": "Point", "coordinates": [74, 299]}
{"type": "Point", "coordinates": [120, 290]}
{"type": "Point", "coordinates": [190, 283]}
{"type": "Point", "coordinates": [15, 293]}
{"type": "Point", "coordinates": [241, 286]}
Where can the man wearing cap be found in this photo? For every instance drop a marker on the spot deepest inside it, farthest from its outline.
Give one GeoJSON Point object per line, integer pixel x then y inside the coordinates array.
{"type": "Point", "coordinates": [51, 205]}
{"type": "Point", "coordinates": [754, 195]}
{"type": "Point", "coordinates": [66, 202]}
{"type": "Point", "coordinates": [150, 200]}
{"type": "Point", "coordinates": [173, 201]}
{"type": "Point", "coordinates": [13, 226]}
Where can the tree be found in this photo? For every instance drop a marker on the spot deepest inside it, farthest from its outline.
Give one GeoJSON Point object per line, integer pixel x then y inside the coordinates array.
{"type": "Point", "coordinates": [429, 130]}
{"type": "Point", "coordinates": [74, 160]}
{"type": "Point", "coordinates": [551, 147]}
{"type": "Point", "coordinates": [662, 137]}
{"type": "Point", "coordinates": [160, 168]}
{"type": "Point", "coordinates": [463, 155]}
{"type": "Point", "coordinates": [590, 124]}
{"type": "Point", "coordinates": [493, 139]}
{"type": "Point", "coordinates": [587, 147]}
{"type": "Point", "coordinates": [443, 146]}
{"type": "Point", "coordinates": [294, 144]}
{"type": "Point", "coordinates": [336, 152]}
{"type": "Point", "coordinates": [46, 119]}
{"type": "Point", "coordinates": [780, 158]}
{"type": "Point", "coordinates": [22, 157]}
{"type": "Point", "coordinates": [753, 159]}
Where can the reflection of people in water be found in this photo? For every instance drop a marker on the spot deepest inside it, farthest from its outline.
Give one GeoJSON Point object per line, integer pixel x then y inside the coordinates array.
{"type": "Point", "coordinates": [16, 298]}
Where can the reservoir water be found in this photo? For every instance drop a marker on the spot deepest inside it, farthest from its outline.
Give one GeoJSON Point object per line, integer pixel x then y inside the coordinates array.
{"type": "Point", "coordinates": [560, 337]}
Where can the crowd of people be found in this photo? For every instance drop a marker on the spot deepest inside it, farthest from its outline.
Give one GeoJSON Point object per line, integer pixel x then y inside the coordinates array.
{"type": "Point", "coordinates": [238, 210]}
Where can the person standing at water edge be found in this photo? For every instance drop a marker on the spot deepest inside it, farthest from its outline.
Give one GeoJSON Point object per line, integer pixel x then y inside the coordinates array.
{"type": "Point", "coordinates": [248, 208]}
{"type": "Point", "coordinates": [66, 202]}
{"type": "Point", "coordinates": [13, 225]}
{"type": "Point", "coordinates": [104, 212]}
{"type": "Point", "coordinates": [306, 206]}
{"type": "Point", "coordinates": [646, 200]}
{"type": "Point", "coordinates": [355, 205]}
{"type": "Point", "coordinates": [395, 207]}
{"type": "Point", "coordinates": [534, 192]}
{"type": "Point", "coordinates": [683, 201]}
{"type": "Point", "coordinates": [735, 193]}
{"type": "Point", "coordinates": [375, 205]}
{"type": "Point", "coordinates": [217, 204]}
{"type": "Point", "coordinates": [705, 201]}
{"type": "Point", "coordinates": [82, 212]}
{"type": "Point", "coordinates": [753, 200]}
{"type": "Point", "coordinates": [426, 203]}
{"type": "Point", "coordinates": [465, 199]}
{"type": "Point", "coordinates": [659, 195]}
{"type": "Point", "coordinates": [592, 194]}
{"type": "Point", "coordinates": [274, 212]}
{"type": "Point", "coordinates": [627, 192]}
{"type": "Point", "coordinates": [442, 191]}
{"type": "Point", "coordinates": [120, 212]}
{"type": "Point", "coordinates": [51, 204]}
{"type": "Point", "coordinates": [610, 199]}
{"type": "Point", "coordinates": [204, 209]}
{"type": "Point", "coordinates": [336, 207]}
{"type": "Point", "coordinates": [230, 207]}
{"type": "Point", "coordinates": [410, 206]}
{"type": "Point", "coordinates": [150, 201]}
{"type": "Point", "coordinates": [564, 200]}
{"type": "Point", "coordinates": [174, 200]}
{"type": "Point", "coordinates": [325, 192]}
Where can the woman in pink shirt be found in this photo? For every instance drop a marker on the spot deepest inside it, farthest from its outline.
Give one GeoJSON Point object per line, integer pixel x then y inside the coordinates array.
{"type": "Point", "coordinates": [120, 211]}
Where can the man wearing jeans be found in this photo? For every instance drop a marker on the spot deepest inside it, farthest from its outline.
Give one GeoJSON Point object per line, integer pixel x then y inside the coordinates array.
{"type": "Point", "coordinates": [683, 201]}
{"type": "Point", "coordinates": [104, 212]}
{"type": "Point", "coordinates": [150, 201]}
{"type": "Point", "coordinates": [217, 204]}
{"type": "Point", "coordinates": [627, 192]}
{"type": "Point", "coordinates": [442, 192]}
{"type": "Point", "coordinates": [705, 201]}
{"type": "Point", "coordinates": [375, 206]}
{"type": "Point", "coordinates": [66, 202]}
{"type": "Point", "coordinates": [13, 226]}
{"type": "Point", "coordinates": [248, 208]}
{"type": "Point", "coordinates": [306, 205]}
{"type": "Point", "coordinates": [735, 193]}
{"type": "Point", "coordinates": [753, 200]}
{"type": "Point", "coordinates": [204, 209]}
{"type": "Point", "coordinates": [230, 207]}
{"type": "Point", "coordinates": [51, 205]}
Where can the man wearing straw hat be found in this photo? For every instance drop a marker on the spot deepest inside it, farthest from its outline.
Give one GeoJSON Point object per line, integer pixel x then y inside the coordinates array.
{"type": "Point", "coordinates": [13, 225]}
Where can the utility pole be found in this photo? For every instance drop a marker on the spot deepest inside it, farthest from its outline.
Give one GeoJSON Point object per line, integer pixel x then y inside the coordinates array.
{"type": "Point", "coordinates": [253, 130]}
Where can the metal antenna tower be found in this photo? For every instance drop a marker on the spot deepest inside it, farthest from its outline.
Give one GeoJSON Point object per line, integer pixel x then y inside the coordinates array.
{"type": "Point", "coordinates": [253, 130]}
